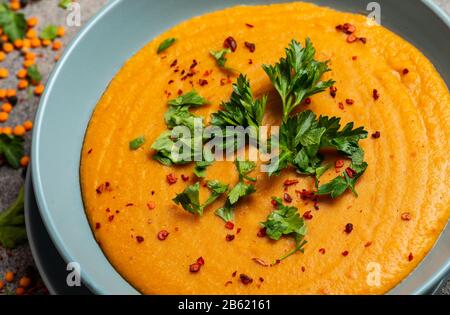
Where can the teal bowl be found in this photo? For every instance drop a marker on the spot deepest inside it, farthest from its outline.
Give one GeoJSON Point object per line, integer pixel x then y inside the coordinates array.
{"type": "Point", "coordinates": [95, 56]}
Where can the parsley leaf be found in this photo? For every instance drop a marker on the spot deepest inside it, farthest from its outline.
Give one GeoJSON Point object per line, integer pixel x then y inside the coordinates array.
{"type": "Point", "coordinates": [191, 98]}
{"type": "Point", "coordinates": [137, 143]}
{"type": "Point", "coordinates": [11, 148]}
{"type": "Point", "coordinates": [242, 109]}
{"type": "Point", "coordinates": [180, 116]}
{"type": "Point", "coordinates": [34, 74]}
{"type": "Point", "coordinates": [189, 199]}
{"type": "Point", "coordinates": [64, 4]}
{"type": "Point", "coordinates": [220, 56]}
{"type": "Point", "coordinates": [50, 32]}
{"type": "Point", "coordinates": [200, 168]}
{"type": "Point", "coordinates": [12, 223]}
{"type": "Point", "coordinates": [244, 168]}
{"type": "Point", "coordinates": [240, 190]}
{"type": "Point", "coordinates": [286, 221]}
{"type": "Point", "coordinates": [13, 24]}
{"type": "Point", "coordinates": [166, 143]}
{"type": "Point", "coordinates": [297, 76]}
{"type": "Point", "coordinates": [166, 44]}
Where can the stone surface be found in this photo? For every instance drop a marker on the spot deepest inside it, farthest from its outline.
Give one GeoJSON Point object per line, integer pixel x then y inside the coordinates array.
{"type": "Point", "coordinates": [20, 260]}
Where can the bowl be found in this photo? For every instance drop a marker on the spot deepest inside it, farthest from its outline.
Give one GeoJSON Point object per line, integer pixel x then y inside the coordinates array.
{"type": "Point", "coordinates": [96, 55]}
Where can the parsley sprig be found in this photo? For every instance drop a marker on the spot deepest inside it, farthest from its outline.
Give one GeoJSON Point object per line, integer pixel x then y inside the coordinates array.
{"type": "Point", "coordinates": [297, 76]}
{"type": "Point", "coordinates": [11, 148]}
{"type": "Point", "coordinates": [286, 221]}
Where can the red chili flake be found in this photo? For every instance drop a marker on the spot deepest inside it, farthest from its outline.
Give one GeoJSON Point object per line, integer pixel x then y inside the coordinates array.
{"type": "Point", "coordinates": [151, 205]}
{"type": "Point", "coordinates": [194, 268]}
{"type": "Point", "coordinates": [90, 151]}
{"type": "Point", "coordinates": [354, 58]}
{"type": "Point", "coordinates": [349, 228]}
{"type": "Point", "coordinates": [250, 46]}
{"type": "Point", "coordinates": [376, 94]}
{"type": "Point", "coordinates": [110, 218]}
{"type": "Point", "coordinates": [308, 101]}
{"type": "Point", "coordinates": [410, 257]}
{"type": "Point", "coordinates": [202, 82]}
{"type": "Point", "coordinates": [103, 187]}
{"type": "Point", "coordinates": [171, 179]}
{"type": "Point", "coordinates": [349, 28]}
{"type": "Point", "coordinates": [238, 230]}
{"type": "Point", "coordinates": [261, 279]}
{"type": "Point", "coordinates": [230, 43]}
{"type": "Point", "coordinates": [363, 40]}
{"type": "Point", "coordinates": [229, 225]}
{"type": "Point", "coordinates": [274, 203]}
{"type": "Point", "coordinates": [350, 172]}
{"type": "Point", "coordinates": [316, 205]}
{"type": "Point", "coordinates": [174, 63]}
{"type": "Point", "coordinates": [129, 205]}
{"type": "Point", "coordinates": [303, 269]}
{"type": "Point", "coordinates": [350, 101]}
{"type": "Point", "coordinates": [333, 91]}
{"type": "Point", "coordinates": [201, 261]}
{"type": "Point", "coordinates": [405, 71]}
{"type": "Point", "coordinates": [341, 105]}
{"type": "Point", "coordinates": [287, 198]}
{"type": "Point", "coordinates": [262, 233]}
{"type": "Point", "coordinates": [307, 215]}
{"type": "Point", "coordinates": [345, 253]}
{"type": "Point", "coordinates": [97, 226]}
{"type": "Point", "coordinates": [139, 239]}
{"type": "Point", "coordinates": [229, 237]}
{"type": "Point", "coordinates": [351, 38]}
{"type": "Point", "coordinates": [163, 235]}
{"type": "Point", "coordinates": [108, 210]}
{"type": "Point", "coordinates": [368, 244]}
{"type": "Point", "coordinates": [183, 72]}
{"type": "Point", "coordinates": [228, 283]}
{"type": "Point", "coordinates": [339, 28]}
{"type": "Point", "coordinates": [184, 178]}
{"type": "Point", "coordinates": [152, 192]}
{"type": "Point", "coordinates": [322, 251]}
{"type": "Point", "coordinates": [194, 64]}
{"type": "Point", "coordinates": [246, 280]}
{"type": "Point", "coordinates": [249, 25]}
{"type": "Point", "coordinates": [234, 274]}
{"type": "Point", "coordinates": [376, 135]}
{"type": "Point", "coordinates": [305, 194]}
{"type": "Point", "coordinates": [290, 182]}
{"type": "Point", "coordinates": [406, 216]}
{"type": "Point", "coordinates": [250, 61]}
{"type": "Point", "coordinates": [180, 92]}
{"type": "Point", "coordinates": [339, 163]}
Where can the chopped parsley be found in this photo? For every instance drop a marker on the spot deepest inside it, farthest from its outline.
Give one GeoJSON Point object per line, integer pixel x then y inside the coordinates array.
{"type": "Point", "coordinates": [297, 76]}
{"type": "Point", "coordinates": [189, 199]}
{"type": "Point", "coordinates": [11, 148]}
{"type": "Point", "coordinates": [286, 221]}
{"type": "Point", "coordinates": [191, 98]}
{"type": "Point", "coordinates": [220, 57]}
{"type": "Point", "coordinates": [200, 168]}
{"type": "Point", "coordinates": [12, 223]}
{"type": "Point", "coordinates": [14, 24]}
{"type": "Point", "coordinates": [166, 44]}
{"type": "Point", "coordinates": [137, 143]}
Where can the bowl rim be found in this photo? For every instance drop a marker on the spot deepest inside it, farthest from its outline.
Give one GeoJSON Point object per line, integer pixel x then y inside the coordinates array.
{"type": "Point", "coordinates": [37, 175]}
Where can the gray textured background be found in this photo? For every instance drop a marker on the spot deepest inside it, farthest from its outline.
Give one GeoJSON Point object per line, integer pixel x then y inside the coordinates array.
{"type": "Point", "coordinates": [20, 259]}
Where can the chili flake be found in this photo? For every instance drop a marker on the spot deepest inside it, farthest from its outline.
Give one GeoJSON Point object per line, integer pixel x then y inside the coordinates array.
{"type": "Point", "coordinates": [139, 239]}
{"type": "Point", "coordinates": [351, 38]}
{"type": "Point", "coordinates": [97, 226]}
{"type": "Point", "coordinates": [376, 94]}
{"type": "Point", "coordinates": [229, 225]}
{"type": "Point", "coordinates": [349, 228]}
{"type": "Point", "coordinates": [250, 46]}
{"type": "Point", "coordinates": [345, 253]}
{"type": "Point", "coordinates": [350, 101]}
{"type": "Point", "coordinates": [229, 237]}
{"type": "Point", "coordinates": [368, 244]}
{"type": "Point", "coordinates": [322, 251]}
{"type": "Point", "coordinates": [201, 261]}
{"type": "Point", "coordinates": [348, 28]}
{"type": "Point", "coordinates": [406, 216]}
{"type": "Point", "coordinates": [333, 91]}
{"type": "Point", "coordinates": [363, 40]}
{"type": "Point", "coordinates": [184, 178]}
{"type": "Point", "coordinates": [376, 135]}
{"type": "Point", "coordinates": [194, 268]}
{"type": "Point", "coordinates": [262, 233]}
{"type": "Point", "coordinates": [290, 182]}
{"type": "Point", "coordinates": [171, 179]}
{"type": "Point", "coordinates": [307, 215]}
{"type": "Point", "coordinates": [308, 101]}
{"type": "Point", "coordinates": [249, 25]}
{"type": "Point", "coordinates": [163, 235]}
{"type": "Point", "coordinates": [341, 105]}
{"type": "Point", "coordinates": [350, 172]}
{"type": "Point", "coordinates": [202, 82]}
{"type": "Point", "coordinates": [287, 198]}
{"type": "Point", "coordinates": [410, 257]}
{"type": "Point", "coordinates": [339, 163]}
{"type": "Point", "coordinates": [151, 205]}
{"type": "Point", "coordinates": [230, 43]}
{"type": "Point", "coordinates": [405, 71]}
{"type": "Point", "coordinates": [246, 280]}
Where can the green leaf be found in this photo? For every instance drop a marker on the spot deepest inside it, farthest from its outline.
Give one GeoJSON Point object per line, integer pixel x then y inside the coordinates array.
{"type": "Point", "coordinates": [189, 199]}
{"type": "Point", "coordinates": [341, 184]}
{"type": "Point", "coordinates": [244, 168]}
{"type": "Point", "coordinates": [64, 4]}
{"type": "Point", "coordinates": [191, 98]}
{"type": "Point", "coordinates": [220, 56]}
{"type": "Point", "coordinates": [286, 221]}
{"type": "Point", "coordinates": [34, 74]}
{"type": "Point", "coordinates": [200, 168]}
{"type": "Point", "coordinates": [12, 223]}
{"type": "Point", "coordinates": [11, 147]}
{"type": "Point", "coordinates": [13, 24]}
{"type": "Point", "coordinates": [297, 76]}
{"type": "Point", "coordinates": [50, 32]}
{"type": "Point", "coordinates": [166, 44]}
{"type": "Point", "coordinates": [137, 143]}
{"type": "Point", "coordinates": [226, 213]}
{"type": "Point", "coordinates": [163, 146]}
{"type": "Point", "coordinates": [181, 116]}
{"type": "Point", "coordinates": [240, 190]}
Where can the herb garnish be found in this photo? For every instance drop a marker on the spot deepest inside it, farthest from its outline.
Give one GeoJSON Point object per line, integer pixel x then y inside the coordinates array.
{"type": "Point", "coordinates": [191, 98]}
{"type": "Point", "coordinates": [137, 143]}
{"type": "Point", "coordinates": [50, 32]}
{"type": "Point", "coordinates": [34, 74]}
{"type": "Point", "coordinates": [286, 221]}
{"type": "Point", "coordinates": [189, 199]}
{"type": "Point", "coordinates": [240, 190]}
{"type": "Point", "coordinates": [12, 223]}
{"type": "Point", "coordinates": [64, 4]}
{"type": "Point", "coordinates": [13, 24]}
{"type": "Point", "coordinates": [166, 44]}
{"type": "Point", "coordinates": [200, 168]}
{"type": "Point", "coordinates": [297, 76]}
{"type": "Point", "coordinates": [11, 148]}
{"type": "Point", "coordinates": [220, 57]}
